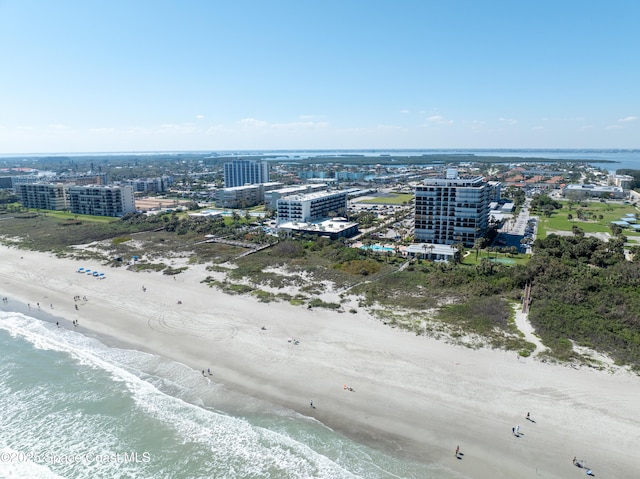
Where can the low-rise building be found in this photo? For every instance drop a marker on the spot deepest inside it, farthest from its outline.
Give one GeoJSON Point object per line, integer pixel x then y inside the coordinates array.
{"type": "Point", "coordinates": [333, 228]}
{"type": "Point", "coordinates": [579, 191]}
{"type": "Point", "coordinates": [431, 251]}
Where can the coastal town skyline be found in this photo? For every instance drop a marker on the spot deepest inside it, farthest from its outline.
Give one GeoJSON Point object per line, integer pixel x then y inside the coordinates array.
{"type": "Point", "coordinates": [156, 76]}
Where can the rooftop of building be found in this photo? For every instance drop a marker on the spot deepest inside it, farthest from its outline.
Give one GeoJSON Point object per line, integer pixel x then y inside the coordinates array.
{"type": "Point", "coordinates": [330, 225]}
{"type": "Point", "coordinates": [314, 195]}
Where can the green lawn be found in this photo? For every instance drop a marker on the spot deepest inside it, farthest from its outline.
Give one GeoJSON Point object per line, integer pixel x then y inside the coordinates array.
{"type": "Point", "coordinates": [65, 215]}
{"type": "Point", "coordinates": [389, 199]}
{"type": "Point", "coordinates": [499, 258]}
{"type": "Point", "coordinates": [600, 217]}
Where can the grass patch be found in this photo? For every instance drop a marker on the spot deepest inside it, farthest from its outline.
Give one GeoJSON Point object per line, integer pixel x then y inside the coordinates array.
{"type": "Point", "coordinates": [147, 267]}
{"type": "Point", "coordinates": [360, 267]}
{"type": "Point", "coordinates": [389, 199]}
{"type": "Point", "coordinates": [120, 240]}
{"type": "Point", "coordinates": [264, 296]}
{"type": "Point", "coordinates": [318, 303]}
{"type": "Point", "coordinates": [597, 217]}
{"type": "Point", "coordinates": [172, 271]}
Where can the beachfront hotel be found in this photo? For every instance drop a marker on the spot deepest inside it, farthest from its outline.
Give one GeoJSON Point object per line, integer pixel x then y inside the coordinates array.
{"type": "Point", "coordinates": [312, 206]}
{"type": "Point", "coordinates": [101, 200]}
{"type": "Point", "coordinates": [245, 172]}
{"type": "Point", "coordinates": [452, 209]}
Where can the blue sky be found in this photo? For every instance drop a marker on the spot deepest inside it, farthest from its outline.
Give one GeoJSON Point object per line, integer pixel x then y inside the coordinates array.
{"type": "Point", "coordinates": [152, 75]}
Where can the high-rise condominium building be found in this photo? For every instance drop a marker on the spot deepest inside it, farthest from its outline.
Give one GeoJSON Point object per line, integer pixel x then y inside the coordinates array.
{"type": "Point", "coordinates": [452, 210]}
{"type": "Point", "coordinates": [245, 172]}
{"type": "Point", "coordinates": [44, 196]}
{"type": "Point", "coordinates": [101, 200]}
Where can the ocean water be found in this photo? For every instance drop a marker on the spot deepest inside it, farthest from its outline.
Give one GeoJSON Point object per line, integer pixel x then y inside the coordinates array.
{"type": "Point", "coordinates": [73, 407]}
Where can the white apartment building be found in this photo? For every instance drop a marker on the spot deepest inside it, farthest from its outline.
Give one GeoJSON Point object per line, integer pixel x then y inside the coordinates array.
{"type": "Point", "coordinates": [44, 196]}
{"type": "Point", "coordinates": [240, 196]}
{"type": "Point", "coordinates": [101, 200]}
{"type": "Point", "coordinates": [623, 181]}
{"type": "Point", "coordinates": [312, 206]}
{"type": "Point", "coordinates": [245, 172]}
{"type": "Point", "coordinates": [452, 210]}
{"type": "Point", "coordinates": [271, 197]}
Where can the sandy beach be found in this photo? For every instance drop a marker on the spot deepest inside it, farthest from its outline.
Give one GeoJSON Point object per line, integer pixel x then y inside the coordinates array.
{"type": "Point", "coordinates": [412, 396]}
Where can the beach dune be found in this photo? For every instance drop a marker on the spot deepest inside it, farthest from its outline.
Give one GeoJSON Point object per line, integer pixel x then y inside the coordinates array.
{"type": "Point", "coordinates": [411, 396]}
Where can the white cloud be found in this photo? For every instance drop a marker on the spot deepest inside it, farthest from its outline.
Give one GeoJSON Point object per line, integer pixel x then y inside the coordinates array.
{"type": "Point", "coordinates": [405, 111]}
{"type": "Point", "coordinates": [614, 127]}
{"type": "Point", "coordinates": [627, 119]}
{"type": "Point", "coordinates": [252, 123]}
{"type": "Point", "coordinates": [307, 117]}
{"type": "Point", "coordinates": [588, 127]}
{"type": "Point", "coordinates": [200, 117]}
{"type": "Point", "coordinates": [537, 128]}
{"type": "Point", "coordinates": [439, 120]}
{"type": "Point", "coordinates": [510, 121]}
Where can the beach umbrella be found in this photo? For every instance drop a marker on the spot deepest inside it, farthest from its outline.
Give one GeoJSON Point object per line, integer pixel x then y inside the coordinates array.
{"type": "Point", "coordinates": [95, 273]}
{"type": "Point", "coordinates": [88, 271]}
{"type": "Point", "coordinates": [80, 270]}
{"type": "Point", "coordinates": [101, 276]}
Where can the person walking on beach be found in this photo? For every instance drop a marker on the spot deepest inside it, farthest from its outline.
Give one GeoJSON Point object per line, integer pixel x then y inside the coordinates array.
{"type": "Point", "coordinates": [457, 451]}
{"type": "Point", "coordinates": [311, 404]}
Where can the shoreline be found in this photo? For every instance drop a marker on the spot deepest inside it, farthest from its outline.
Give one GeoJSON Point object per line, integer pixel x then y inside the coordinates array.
{"type": "Point", "coordinates": [414, 397]}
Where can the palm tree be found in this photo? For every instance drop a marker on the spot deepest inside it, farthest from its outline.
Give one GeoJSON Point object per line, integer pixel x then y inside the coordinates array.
{"type": "Point", "coordinates": [478, 245]}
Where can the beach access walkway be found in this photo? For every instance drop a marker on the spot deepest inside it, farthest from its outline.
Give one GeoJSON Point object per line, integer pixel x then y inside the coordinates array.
{"type": "Point", "coordinates": [523, 325]}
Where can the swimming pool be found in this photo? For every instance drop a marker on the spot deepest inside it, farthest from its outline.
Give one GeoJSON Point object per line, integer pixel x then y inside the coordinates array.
{"type": "Point", "coordinates": [378, 248]}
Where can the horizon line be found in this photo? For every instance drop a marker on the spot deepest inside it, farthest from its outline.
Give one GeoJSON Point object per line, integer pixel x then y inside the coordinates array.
{"type": "Point", "coordinates": [280, 150]}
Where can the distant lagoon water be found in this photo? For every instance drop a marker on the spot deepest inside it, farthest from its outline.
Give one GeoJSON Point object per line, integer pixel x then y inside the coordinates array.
{"type": "Point", "coordinates": [623, 158]}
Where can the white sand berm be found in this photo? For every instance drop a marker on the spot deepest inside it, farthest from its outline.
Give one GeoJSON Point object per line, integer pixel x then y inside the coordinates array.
{"type": "Point", "coordinates": [414, 396]}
